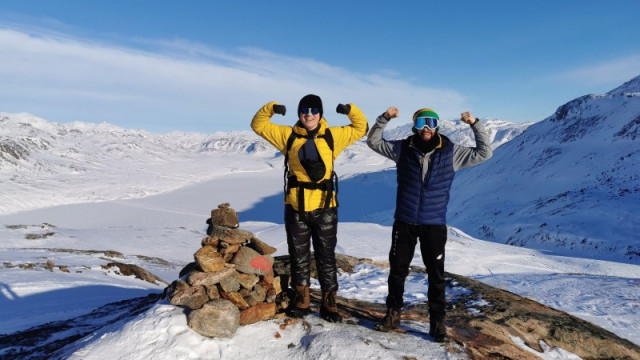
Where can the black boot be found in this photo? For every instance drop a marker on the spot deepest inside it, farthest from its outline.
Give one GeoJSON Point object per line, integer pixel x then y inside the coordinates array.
{"type": "Point", "coordinates": [390, 321]}
{"type": "Point", "coordinates": [329, 308]}
{"type": "Point", "coordinates": [301, 302]}
{"type": "Point", "coordinates": [438, 331]}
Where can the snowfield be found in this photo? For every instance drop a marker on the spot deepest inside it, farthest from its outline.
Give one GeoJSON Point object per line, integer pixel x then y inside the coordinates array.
{"type": "Point", "coordinates": [75, 197]}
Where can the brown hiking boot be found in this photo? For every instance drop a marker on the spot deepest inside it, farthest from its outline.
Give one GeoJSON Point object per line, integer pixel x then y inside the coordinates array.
{"type": "Point", "coordinates": [301, 302]}
{"type": "Point", "coordinates": [391, 321]}
{"type": "Point", "coordinates": [329, 308]}
{"type": "Point", "coordinates": [438, 331]}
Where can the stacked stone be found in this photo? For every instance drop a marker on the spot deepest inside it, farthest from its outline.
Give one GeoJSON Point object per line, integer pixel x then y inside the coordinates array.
{"type": "Point", "coordinates": [231, 282]}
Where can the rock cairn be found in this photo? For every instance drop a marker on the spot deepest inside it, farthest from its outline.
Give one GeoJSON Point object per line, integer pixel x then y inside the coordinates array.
{"type": "Point", "coordinates": [231, 282]}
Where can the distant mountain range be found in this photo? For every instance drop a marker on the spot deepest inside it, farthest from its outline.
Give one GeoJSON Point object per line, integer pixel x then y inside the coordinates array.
{"type": "Point", "coordinates": [460, 133]}
{"type": "Point", "coordinates": [44, 163]}
{"type": "Point", "coordinates": [569, 183]}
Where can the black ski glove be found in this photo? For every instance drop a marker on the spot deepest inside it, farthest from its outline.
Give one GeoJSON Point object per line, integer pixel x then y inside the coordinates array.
{"type": "Point", "coordinates": [279, 109]}
{"type": "Point", "coordinates": [343, 109]}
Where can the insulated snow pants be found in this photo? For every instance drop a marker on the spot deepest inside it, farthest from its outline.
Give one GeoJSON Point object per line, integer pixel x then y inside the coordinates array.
{"type": "Point", "coordinates": [320, 227]}
{"type": "Point", "coordinates": [432, 243]}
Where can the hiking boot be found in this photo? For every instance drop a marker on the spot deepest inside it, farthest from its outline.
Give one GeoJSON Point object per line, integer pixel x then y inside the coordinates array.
{"type": "Point", "coordinates": [329, 308]}
{"type": "Point", "coordinates": [301, 302]}
{"type": "Point", "coordinates": [391, 321]}
{"type": "Point", "coordinates": [438, 331]}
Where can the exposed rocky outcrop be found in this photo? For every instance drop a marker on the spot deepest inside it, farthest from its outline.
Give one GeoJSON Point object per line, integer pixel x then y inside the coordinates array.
{"type": "Point", "coordinates": [135, 270]}
{"type": "Point", "coordinates": [224, 299]}
{"type": "Point", "coordinates": [490, 332]}
{"type": "Point", "coordinates": [484, 331]}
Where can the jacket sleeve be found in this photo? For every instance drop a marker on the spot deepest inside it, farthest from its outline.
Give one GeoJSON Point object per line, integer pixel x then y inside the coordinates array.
{"type": "Point", "coordinates": [465, 156]}
{"type": "Point", "coordinates": [346, 135]}
{"type": "Point", "coordinates": [386, 148]}
{"type": "Point", "coordinates": [261, 124]}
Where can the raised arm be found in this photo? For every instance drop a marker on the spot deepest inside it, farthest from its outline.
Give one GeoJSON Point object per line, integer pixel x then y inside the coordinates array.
{"type": "Point", "coordinates": [466, 156]}
{"type": "Point", "coordinates": [386, 148]}
{"type": "Point", "coordinates": [347, 135]}
{"type": "Point", "coordinates": [275, 134]}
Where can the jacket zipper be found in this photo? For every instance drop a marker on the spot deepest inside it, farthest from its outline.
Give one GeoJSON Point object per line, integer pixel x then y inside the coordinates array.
{"type": "Point", "coordinates": [421, 188]}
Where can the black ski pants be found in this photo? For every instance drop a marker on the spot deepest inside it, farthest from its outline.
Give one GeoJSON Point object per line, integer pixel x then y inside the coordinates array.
{"type": "Point", "coordinates": [432, 243]}
{"type": "Point", "coordinates": [320, 227]}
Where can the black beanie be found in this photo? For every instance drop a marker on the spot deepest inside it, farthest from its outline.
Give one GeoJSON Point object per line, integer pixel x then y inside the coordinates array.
{"type": "Point", "coordinates": [310, 101]}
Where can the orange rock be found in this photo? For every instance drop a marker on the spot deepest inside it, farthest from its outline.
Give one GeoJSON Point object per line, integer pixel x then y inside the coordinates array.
{"type": "Point", "coordinates": [257, 313]}
{"type": "Point", "coordinates": [236, 299]}
{"type": "Point", "coordinates": [209, 259]}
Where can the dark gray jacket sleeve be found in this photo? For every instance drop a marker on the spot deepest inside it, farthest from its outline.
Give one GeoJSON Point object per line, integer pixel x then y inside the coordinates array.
{"type": "Point", "coordinates": [465, 156]}
{"type": "Point", "coordinates": [386, 148]}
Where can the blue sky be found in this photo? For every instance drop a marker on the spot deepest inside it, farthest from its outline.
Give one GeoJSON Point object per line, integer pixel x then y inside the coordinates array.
{"type": "Point", "coordinates": [208, 66]}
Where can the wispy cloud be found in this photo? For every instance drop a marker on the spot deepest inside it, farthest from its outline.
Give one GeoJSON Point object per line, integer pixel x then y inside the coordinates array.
{"type": "Point", "coordinates": [165, 85]}
{"type": "Point", "coordinates": [613, 72]}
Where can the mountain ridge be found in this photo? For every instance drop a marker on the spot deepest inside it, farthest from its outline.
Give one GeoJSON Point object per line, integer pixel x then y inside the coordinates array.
{"type": "Point", "coordinates": [567, 184]}
{"type": "Point", "coordinates": [39, 157]}
{"type": "Point", "coordinates": [573, 179]}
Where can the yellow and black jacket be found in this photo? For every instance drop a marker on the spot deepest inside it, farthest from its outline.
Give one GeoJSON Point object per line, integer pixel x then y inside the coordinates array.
{"type": "Point", "coordinates": [278, 136]}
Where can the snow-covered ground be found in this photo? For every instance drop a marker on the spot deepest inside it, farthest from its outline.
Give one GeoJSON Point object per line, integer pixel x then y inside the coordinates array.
{"type": "Point", "coordinates": [129, 198]}
{"type": "Point", "coordinates": [170, 226]}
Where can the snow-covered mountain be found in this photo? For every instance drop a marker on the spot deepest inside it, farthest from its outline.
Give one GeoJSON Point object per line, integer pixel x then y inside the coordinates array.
{"type": "Point", "coordinates": [52, 258]}
{"type": "Point", "coordinates": [570, 183]}
{"type": "Point", "coordinates": [500, 131]}
{"type": "Point", "coordinates": [567, 183]}
{"type": "Point", "coordinates": [82, 162]}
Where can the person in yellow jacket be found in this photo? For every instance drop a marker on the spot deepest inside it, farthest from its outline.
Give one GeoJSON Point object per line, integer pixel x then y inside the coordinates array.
{"type": "Point", "coordinates": [311, 216]}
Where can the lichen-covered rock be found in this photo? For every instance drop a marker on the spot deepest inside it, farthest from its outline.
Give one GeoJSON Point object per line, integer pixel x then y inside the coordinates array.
{"type": "Point", "coordinates": [217, 318]}
{"type": "Point", "coordinates": [210, 241]}
{"type": "Point", "coordinates": [247, 281]}
{"type": "Point", "coordinates": [224, 215]}
{"type": "Point", "coordinates": [192, 297]}
{"type": "Point", "coordinates": [236, 299]}
{"type": "Point", "coordinates": [213, 292]}
{"type": "Point", "coordinates": [250, 261]}
{"type": "Point", "coordinates": [261, 247]}
{"type": "Point", "coordinates": [209, 259]}
{"type": "Point", "coordinates": [206, 279]}
{"type": "Point", "coordinates": [231, 236]}
{"type": "Point", "coordinates": [226, 248]}
{"type": "Point", "coordinates": [230, 283]}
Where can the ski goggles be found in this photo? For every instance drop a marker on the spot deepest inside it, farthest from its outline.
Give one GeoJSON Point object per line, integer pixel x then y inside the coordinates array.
{"type": "Point", "coordinates": [430, 123]}
{"type": "Point", "coordinates": [309, 111]}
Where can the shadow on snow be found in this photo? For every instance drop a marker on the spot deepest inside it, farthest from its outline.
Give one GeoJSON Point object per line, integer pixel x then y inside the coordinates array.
{"type": "Point", "coordinates": [48, 339]}
{"type": "Point", "coordinates": [367, 197]}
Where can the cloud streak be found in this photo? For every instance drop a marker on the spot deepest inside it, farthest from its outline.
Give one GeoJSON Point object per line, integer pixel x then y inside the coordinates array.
{"type": "Point", "coordinates": [616, 71]}
{"type": "Point", "coordinates": [184, 86]}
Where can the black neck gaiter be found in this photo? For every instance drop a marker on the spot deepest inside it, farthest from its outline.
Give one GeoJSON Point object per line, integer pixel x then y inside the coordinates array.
{"type": "Point", "coordinates": [426, 146]}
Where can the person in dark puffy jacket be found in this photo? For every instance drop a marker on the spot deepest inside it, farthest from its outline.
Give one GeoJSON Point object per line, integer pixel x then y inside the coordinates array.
{"type": "Point", "coordinates": [311, 215]}
{"type": "Point", "coordinates": [426, 163]}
